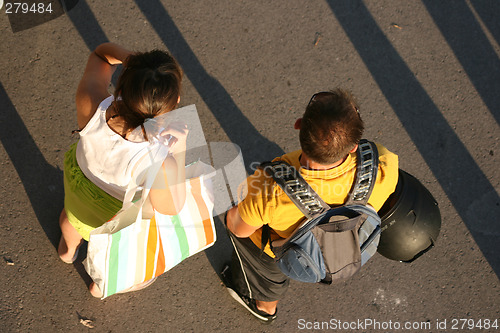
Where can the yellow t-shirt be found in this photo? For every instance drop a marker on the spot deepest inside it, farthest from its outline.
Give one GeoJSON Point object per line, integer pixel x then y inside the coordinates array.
{"type": "Point", "coordinates": [266, 203]}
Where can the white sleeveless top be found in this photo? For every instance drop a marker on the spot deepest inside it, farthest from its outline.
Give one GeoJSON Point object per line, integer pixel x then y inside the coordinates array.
{"type": "Point", "coordinates": [105, 157]}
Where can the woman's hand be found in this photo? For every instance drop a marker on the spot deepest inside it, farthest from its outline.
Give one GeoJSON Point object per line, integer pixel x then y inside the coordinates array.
{"type": "Point", "coordinates": [112, 53]}
{"type": "Point", "coordinates": [176, 135]}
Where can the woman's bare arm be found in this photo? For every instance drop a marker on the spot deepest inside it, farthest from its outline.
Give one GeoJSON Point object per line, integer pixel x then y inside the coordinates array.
{"type": "Point", "coordinates": [93, 86]}
{"type": "Point", "coordinates": [169, 190]}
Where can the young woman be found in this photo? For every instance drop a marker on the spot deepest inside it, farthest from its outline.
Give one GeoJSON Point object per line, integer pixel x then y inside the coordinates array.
{"type": "Point", "coordinates": [113, 140]}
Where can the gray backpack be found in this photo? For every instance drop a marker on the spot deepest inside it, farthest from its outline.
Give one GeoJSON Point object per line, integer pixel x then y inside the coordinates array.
{"type": "Point", "coordinates": [330, 243]}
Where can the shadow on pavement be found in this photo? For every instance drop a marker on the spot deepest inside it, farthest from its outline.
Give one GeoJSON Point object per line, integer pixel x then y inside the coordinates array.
{"type": "Point", "coordinates": [87, 26]}
{"type": "Point", "coordinates": [471, 46]}
{"type": "Point", "coordinates": [488, 12]}
{"type": "Point", "coordinates": [25, 15]}
{"type": "Point", "coordinates": [254, 146]}
{"type": "Point", "coordinates": [462, 180]}
{"type": "Point", "coordinates": [42, 182]}
{"type": "Point", "coordinates": [238, 128]}
{"type": "Point", "coordinates": [89, 29]}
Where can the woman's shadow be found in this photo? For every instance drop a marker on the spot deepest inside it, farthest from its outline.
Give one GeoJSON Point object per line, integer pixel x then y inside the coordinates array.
{"type": "Point", "coordinates": [41, 181]}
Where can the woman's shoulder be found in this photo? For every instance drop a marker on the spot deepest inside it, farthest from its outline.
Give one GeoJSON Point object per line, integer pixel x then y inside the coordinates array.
{"type": "Point", "coordinates": [88, 103]}
{"type": "Point", "coordinates": [101, 107]}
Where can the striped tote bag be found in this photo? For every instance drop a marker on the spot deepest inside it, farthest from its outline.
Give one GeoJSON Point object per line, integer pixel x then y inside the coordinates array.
{"type": "Point", "coordinates": [131, 249]}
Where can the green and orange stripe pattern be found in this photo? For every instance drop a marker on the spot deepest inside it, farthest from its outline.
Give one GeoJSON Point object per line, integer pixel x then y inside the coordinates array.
{"type": "Point", "coordinates": [145, 250]}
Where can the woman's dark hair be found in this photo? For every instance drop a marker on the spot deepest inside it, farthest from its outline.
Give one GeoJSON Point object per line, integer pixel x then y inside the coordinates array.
{"type": "Point", "coordinates": [149, 85]}
{"type": "Point", "coordinates": [331, 126]}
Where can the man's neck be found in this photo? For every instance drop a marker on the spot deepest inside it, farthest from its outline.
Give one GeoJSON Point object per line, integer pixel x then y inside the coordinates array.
{"type": "Point", "coordinates": [309, 164]}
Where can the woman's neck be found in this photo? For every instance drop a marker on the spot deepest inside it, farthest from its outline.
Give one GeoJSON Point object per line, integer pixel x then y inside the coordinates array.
{"type": "Point", "coordinates": [115, 122]}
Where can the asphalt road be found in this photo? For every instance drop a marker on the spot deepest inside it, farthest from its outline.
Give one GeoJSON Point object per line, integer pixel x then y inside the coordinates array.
{"type": "Point", "coordinates": [426, 75]}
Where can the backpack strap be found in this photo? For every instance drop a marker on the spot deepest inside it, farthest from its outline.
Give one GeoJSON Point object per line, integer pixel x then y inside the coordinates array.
{"type": "Point", "coordinates": [309, 202]}
{"type": "Point", "coordinates": [367, 168]}
{"type": "Point", "coordinates": [296, 188]}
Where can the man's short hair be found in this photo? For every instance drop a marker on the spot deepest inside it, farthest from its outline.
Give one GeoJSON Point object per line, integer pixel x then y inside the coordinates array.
{"type": "Point", "coordinates": [331, 126]}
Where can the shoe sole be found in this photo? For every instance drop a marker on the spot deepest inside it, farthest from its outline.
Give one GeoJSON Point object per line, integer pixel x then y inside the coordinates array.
{"type": "Point", "coordinates": [237, 298]}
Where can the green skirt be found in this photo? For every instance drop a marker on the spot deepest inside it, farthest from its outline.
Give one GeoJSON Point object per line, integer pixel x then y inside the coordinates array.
{"type": "Point", "coordinates": [87, 206]}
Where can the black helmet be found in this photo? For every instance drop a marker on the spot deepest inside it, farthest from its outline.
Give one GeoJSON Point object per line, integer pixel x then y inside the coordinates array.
{"type": "Point", "coordinates": [410, 221]}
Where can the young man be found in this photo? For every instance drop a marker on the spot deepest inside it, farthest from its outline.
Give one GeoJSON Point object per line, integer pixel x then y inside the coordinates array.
{"type": "Point", "coordinates": [330, 130]}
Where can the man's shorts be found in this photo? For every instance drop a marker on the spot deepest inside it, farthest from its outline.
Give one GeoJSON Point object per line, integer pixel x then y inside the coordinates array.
{"type": "Point", "coordinates": [254, 273]}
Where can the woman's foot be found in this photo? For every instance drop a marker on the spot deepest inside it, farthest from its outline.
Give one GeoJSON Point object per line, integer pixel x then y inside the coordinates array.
{"type": "Point", "coordinates": [68, 255]}
{"type": "Point", "coordinates": [95, 291]}
{"type": "Point", "coordinates": [70, 240]}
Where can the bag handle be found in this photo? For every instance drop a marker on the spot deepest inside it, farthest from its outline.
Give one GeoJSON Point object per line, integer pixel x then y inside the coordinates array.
{"type": "Point", "coordinates": [156, 155]}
